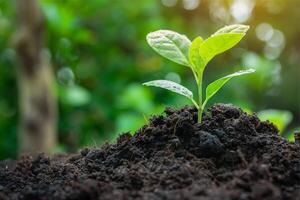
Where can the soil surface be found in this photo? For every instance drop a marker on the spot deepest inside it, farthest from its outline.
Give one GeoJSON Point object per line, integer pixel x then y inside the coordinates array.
{"type": "Point", "coordinates": [230, 155]}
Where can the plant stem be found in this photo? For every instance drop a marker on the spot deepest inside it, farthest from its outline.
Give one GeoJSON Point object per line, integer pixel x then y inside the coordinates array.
{"type": "Point", "coordinates": [195, 75]}
{"type": "Point", "coordinates": [200, 110]}
{"type": "Point", "coordinates": [200, 103]}
{"type": "Point", "coordinates": [195, 103]}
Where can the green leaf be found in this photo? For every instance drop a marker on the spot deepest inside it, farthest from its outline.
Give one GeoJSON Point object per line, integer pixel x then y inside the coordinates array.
{"type": "Point", "coordinates": [172, 86]}
{"type": "Point", "coordinates": [235, 28]}
{"type": "Point", "coordinates": [222, 40]}
{"type": "Point", "coordinates": [170, 45]}
{"type": "Point", "coordinates": [194, 56]}
{"type": "Point", "coordinates": [215, 86]}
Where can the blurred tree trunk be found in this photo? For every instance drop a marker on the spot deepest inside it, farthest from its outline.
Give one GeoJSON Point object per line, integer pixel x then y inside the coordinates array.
{"type": "Point", "coordinates": [38, 112]}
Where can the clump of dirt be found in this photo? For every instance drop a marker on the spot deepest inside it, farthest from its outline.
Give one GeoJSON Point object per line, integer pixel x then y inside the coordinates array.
{"type": "Point", "coordinates": [230, 155]}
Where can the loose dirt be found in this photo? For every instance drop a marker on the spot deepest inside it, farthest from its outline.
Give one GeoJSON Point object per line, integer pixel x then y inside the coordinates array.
{"type": "Point", "coordinates": [229, 156]}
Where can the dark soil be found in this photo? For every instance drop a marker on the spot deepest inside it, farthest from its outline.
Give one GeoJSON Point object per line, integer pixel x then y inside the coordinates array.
{"type": "Point", "coordinates": [231, 155]}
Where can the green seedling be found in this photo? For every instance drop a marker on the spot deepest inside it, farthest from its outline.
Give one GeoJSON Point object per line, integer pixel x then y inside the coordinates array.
{"type": "Point", "coordinates": [196, 55]}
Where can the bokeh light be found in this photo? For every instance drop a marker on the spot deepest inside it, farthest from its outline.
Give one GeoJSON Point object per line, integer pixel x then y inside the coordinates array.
{"type": "Point", "coordinates": [241, 10]}
{"type": "Point", "coordinates": [190, 4]}
{"type": "Point", "coordinates": [169, 3]}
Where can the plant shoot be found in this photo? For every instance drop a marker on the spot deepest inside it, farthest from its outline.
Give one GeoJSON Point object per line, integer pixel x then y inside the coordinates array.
{"type": "Point", "coordinates": [196, 54]}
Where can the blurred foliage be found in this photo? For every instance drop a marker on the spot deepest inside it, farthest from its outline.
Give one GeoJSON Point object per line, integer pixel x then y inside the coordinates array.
{"type": "Point", "coordinates": [280, 118]}
{"type": "Point", "coordinates": [291, 134]}
{"type": "Point", "coordinates": [100, 57]}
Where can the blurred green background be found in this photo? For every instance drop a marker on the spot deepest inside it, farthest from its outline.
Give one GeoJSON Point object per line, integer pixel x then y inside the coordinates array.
{"type": "Point", "coordinates": [100, 58]}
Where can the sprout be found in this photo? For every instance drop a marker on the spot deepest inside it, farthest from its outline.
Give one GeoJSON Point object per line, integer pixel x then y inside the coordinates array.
{"type": "Point", "coordinates": [196, 55]}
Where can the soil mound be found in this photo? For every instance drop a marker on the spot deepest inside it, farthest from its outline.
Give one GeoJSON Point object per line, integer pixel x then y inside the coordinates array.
{"type": "Point", "coordinates": [230, 155]}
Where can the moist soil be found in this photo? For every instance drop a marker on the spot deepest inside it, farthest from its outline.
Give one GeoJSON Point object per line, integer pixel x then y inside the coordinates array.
{"type": "Point", "coordinates": [230, 155]}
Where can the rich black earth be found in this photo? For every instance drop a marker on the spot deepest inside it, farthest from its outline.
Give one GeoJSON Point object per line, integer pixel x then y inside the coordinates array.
{"type": "Point", "coordinates": [231, 155]}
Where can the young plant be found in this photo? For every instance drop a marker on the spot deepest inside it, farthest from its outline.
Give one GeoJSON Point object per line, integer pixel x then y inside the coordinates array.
{"type": "Point", "coordinates": [196, 55]}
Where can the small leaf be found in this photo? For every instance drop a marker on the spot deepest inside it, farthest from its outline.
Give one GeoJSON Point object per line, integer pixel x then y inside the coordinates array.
{"type": "Point", "coordinates": [215, 86]}
{"type": "Point", "coordinates": [222, 40]}
{"type": "Point", "coordinates": [194, 56]}
{"type": "Point", "coordinates": [235, 28]}
{"type": "Point", "coordinates": [170, 45]}
{"type": "Point", "coordinates": [172, 86]}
